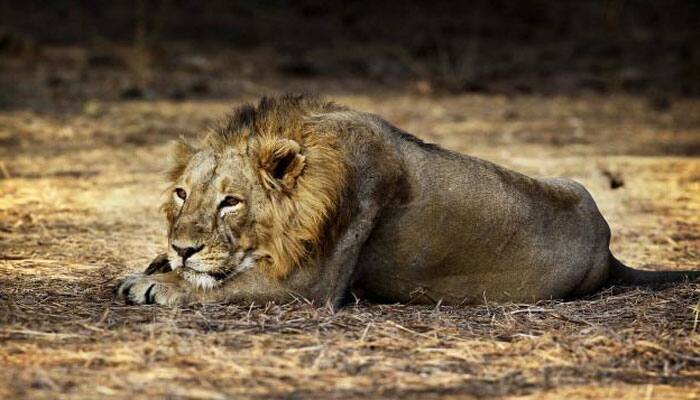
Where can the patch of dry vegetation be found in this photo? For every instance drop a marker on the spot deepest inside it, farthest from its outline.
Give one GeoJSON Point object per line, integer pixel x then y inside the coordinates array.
{"type": "Point", "coordinates": [78, 209]}
{"type": "Point", "coordinates": [58, 342]}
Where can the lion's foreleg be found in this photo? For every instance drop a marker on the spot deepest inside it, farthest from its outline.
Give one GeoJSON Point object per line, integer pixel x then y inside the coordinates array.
{"type": "Point", "coordinates": [338, 270]}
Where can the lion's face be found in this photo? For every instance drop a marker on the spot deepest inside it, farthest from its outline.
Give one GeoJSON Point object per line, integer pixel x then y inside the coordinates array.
{"type": "Point", "coordinates": [219, 210]}
{"type": "Point", "coordinates": [260, 194]}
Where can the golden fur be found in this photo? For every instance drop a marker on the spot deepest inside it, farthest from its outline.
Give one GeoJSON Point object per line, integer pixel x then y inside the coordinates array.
{"type": "Point", "coordinates": [294, 225]}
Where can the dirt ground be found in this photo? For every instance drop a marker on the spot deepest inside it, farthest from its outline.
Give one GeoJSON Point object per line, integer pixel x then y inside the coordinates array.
{"type": "Point", "coordinates": [79, 201]}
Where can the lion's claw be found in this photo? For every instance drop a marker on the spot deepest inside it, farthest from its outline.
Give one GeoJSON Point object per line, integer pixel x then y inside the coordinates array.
{"type": "Point", "coordinates": [150, 297]}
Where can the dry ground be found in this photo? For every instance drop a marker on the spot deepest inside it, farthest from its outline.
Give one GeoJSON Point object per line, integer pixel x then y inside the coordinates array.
{"type": "Point", "coordinates": [79, 193]}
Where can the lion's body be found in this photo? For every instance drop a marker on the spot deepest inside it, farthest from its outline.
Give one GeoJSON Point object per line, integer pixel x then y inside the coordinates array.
{"type": "Point", "coordinates": [470, 233]}
{"type": "Point", "coordinates": [338, 201]}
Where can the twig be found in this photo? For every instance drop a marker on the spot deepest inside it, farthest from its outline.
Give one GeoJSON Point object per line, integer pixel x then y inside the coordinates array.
{"type": "Point", "coordinates": [403, 328]}
{"type": "Point", "coordinates": [364, 333]}
{"type": "Point", "coordinates": [531, 310]}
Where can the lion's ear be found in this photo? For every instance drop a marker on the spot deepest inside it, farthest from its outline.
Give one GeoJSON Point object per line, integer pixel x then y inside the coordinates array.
{"type": "Point", "coordinates": [281, 163]}
{"type": "Point", "coordinates": [182, 153]}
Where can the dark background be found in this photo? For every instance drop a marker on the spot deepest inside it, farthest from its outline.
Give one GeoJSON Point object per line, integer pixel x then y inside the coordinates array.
{"type": "Point", "coordinates": [180, 49]}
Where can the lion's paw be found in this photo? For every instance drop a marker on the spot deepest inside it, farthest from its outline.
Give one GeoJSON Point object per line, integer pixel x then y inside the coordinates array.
{"type": "Point", "coordinates": [159, 265]}
{"type": "Point", "coordinates": [148, 289]}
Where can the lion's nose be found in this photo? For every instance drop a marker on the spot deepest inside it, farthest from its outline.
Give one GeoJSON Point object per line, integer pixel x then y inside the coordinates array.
{"type": "Point", "coordinates": [186, 252]}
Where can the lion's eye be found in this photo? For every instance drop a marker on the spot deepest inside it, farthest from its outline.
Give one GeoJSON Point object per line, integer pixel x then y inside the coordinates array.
{"type": "Point", "coordinates": [229, 201]}
{"type": "Point", "coordinates": [181, 193]}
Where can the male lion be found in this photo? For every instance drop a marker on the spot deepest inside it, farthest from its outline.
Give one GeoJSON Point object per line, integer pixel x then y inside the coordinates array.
{"type": "Point", "coordinates": [301, 197]}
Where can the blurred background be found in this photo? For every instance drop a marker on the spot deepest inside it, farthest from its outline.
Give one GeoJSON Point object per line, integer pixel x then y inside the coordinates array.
{"type": "Point", "coordinates": [56, 52]}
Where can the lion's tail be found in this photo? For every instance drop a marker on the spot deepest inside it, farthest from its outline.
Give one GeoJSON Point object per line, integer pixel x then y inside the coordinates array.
{"type": "Point", "coordinates": [620, 274]}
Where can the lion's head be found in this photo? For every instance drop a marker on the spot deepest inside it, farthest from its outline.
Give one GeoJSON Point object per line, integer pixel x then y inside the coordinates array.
{"type": "Point", "coordinates": [260, 191]}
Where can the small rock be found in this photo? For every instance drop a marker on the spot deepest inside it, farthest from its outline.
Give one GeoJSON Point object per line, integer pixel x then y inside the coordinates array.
{"type": "Point", "coordinates": [614, 178]}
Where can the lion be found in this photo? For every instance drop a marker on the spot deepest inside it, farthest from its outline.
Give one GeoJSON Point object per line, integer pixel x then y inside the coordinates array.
{"type": "Point", "coordinates": [302, 198]}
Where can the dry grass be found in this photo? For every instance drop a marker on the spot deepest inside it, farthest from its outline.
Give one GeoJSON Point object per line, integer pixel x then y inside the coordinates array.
{"type": "Point", "coordinates": [78, 209]}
